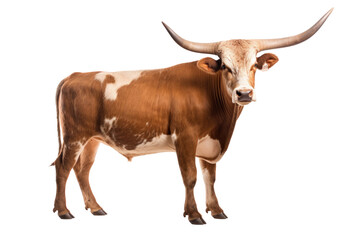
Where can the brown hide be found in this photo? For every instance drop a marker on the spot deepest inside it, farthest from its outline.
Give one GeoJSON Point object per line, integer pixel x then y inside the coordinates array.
{"type": "Point", "coordinates": [181, 101]}
{"type": "Point", "coordinates": [158, 102]}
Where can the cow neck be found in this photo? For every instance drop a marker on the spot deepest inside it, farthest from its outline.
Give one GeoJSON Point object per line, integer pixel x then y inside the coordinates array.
{"type": "Point", "coordinates": [227, 112]}
{"type": "Point", "coordinates": [225, 108]}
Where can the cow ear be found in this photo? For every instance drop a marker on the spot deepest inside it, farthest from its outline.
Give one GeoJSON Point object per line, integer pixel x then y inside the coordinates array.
{"type": "Point", "coordinates": [266, 61]}
{"type": "Point", "coordinates": [209, 65]}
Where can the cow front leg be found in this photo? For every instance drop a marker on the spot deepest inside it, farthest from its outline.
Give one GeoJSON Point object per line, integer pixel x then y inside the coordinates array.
{"type": "Point", "coordinates": [209, 175]}
{"type": "Point", "coordinates": [185, 150]}
{"type": "Point", "coordinates": [82, 171]}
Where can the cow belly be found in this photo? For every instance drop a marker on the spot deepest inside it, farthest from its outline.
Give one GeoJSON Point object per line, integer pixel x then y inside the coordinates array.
{"type": "Point", "coordinates": [207, 148]}
{"type": "Point", "coordinates": [162, 143]}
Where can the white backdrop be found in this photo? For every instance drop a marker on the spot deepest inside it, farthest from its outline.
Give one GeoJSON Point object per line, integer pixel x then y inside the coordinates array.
{"type": "Point", "coordinates": [292, 168]}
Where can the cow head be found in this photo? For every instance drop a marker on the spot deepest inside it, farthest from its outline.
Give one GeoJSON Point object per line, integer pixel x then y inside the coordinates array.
{"type": "Point", "coordinates": [239, 61]}
{"type": "Point", "coordinates": [238, 64]}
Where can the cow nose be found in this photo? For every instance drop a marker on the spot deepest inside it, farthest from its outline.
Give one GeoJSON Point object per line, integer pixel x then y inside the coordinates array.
{"type": "Point", "coordinates": [244, 95]}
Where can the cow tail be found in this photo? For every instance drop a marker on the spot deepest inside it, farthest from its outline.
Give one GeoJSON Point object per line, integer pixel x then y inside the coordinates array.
{"type": "Point", "coordinates": [58, 90]}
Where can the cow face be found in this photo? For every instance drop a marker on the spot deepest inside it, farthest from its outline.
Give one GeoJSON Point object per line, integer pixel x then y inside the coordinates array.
{"type": "Point", "coordinates": [238, 64]}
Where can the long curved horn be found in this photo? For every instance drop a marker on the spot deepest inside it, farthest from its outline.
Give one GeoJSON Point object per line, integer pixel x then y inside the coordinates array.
{"type": "Point", "coordinates": [210, 48]}
{"type": "Point", "coordinates": [265, 44]}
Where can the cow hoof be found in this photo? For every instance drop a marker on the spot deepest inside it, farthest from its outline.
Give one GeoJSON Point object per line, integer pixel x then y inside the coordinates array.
{"type": "Point", "coordinates": [99, 213]}
{"type": "Point", "coordinates": [67, 216]}
{"type": "Point", "coordinates": [220, 216]}
{"type": "Point", "coordinates": [197, 221]}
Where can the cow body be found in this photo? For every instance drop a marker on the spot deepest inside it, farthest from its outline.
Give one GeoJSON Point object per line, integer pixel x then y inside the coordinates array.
{"type": "Point", "coordinates": [144, 112]}
{"type": "Point", "coordinates": [149, 112]}
{"type": "Point", "coordinates": [190, 109]}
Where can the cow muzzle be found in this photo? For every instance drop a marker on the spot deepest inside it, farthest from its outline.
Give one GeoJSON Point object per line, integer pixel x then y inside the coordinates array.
{"type": "Point", "coordinates": [243, 96]}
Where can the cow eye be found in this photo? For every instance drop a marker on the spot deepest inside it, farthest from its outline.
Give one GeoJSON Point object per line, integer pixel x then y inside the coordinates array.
{"type": "Point", "coordinates": [223, 67]}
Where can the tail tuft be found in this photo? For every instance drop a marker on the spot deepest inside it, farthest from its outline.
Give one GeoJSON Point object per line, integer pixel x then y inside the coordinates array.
{"type": "Point", "coordinates": [59, 158]}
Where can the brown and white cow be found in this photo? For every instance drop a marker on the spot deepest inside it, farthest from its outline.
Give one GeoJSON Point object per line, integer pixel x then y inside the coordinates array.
{"type": "Point", "coordinates": [190, 109]}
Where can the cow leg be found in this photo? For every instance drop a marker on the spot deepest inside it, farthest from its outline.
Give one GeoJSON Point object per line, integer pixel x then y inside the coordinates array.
{"type": "Point", "coordinates": [209, 172]}
{"type": "Point", "coordinates": [185, 150]}
{"type": "Point", "coordinates": [82, 171]}
{"type": "Point", "coordinates": [65, 162]}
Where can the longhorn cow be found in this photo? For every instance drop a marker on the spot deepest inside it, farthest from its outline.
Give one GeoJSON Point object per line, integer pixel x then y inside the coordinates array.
{"type": "Point", "coordinates": [190, 109]}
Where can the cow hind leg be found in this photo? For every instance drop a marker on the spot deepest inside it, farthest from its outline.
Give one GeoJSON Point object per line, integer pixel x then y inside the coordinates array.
{"type": "Point", "coordinates": [64, 163]}
{"type": "Point", "coordinates": [82, 171]}
{"type": "Point", "coordinates": [209, 172]}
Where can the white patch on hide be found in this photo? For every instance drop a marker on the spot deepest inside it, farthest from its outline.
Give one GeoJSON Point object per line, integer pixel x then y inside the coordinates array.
{"type": "Point", "coordinates": [77, 146]}
{"type": "Point", "coordinates": [161, 143]}
{"type": "Point", "coordinates": [106, 128]}
{"type": "Point", "coordinates": [208, 185]}
{"type": "Point", "coordinates": [209, 149]}
{"type": "Point", "coordinates": [109, 122]}
{"type": "Point", "coordinates": [81, 148]}
{"type": "Point", "coordinates": [121, 79]}
{"type": "Point", "coordinates": [265, 67]}
{"type": "Point", "coordinates": [173, 137]}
